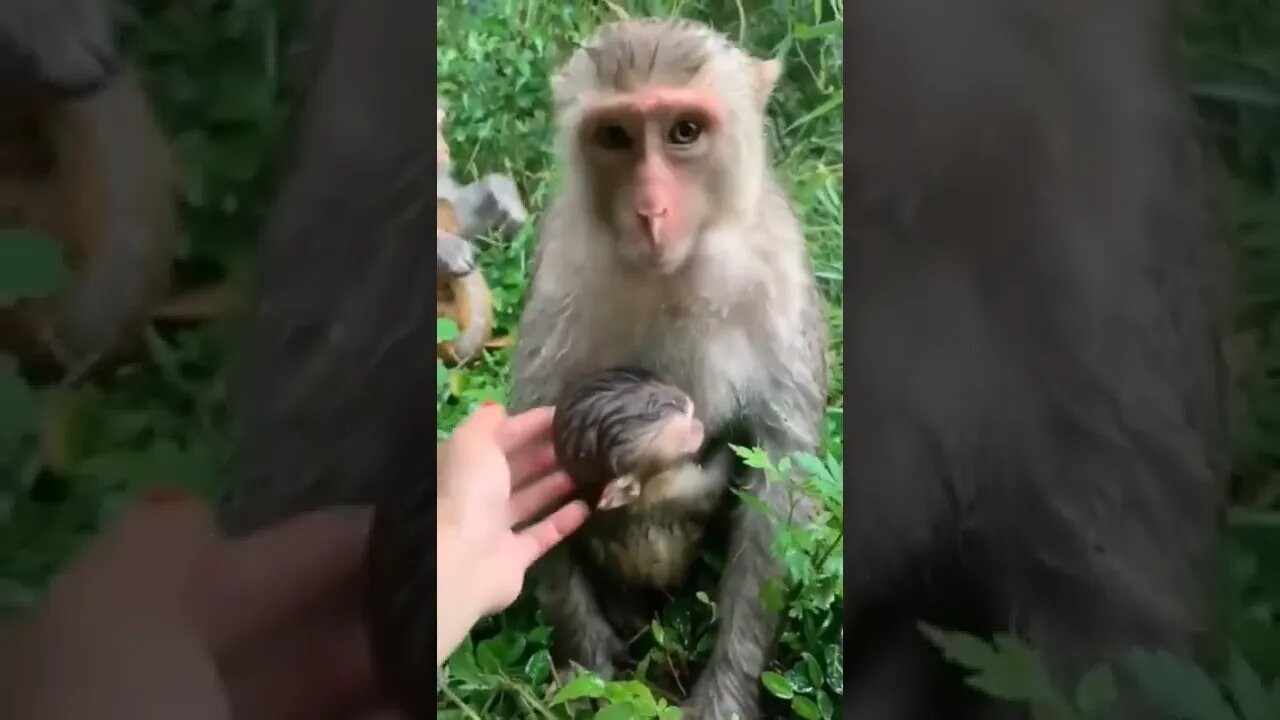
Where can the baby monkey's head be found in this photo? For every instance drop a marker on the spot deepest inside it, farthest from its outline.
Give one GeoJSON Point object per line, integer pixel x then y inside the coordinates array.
{"type": "Point", "coordinates": [616, 428]}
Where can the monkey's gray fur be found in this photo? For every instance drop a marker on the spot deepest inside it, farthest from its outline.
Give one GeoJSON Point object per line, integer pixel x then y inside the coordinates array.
{"type": "Point", "coordinates": [1037, 296]}
{"type": "Point", "coordinates": [740, 327]}
{"type": "Point", "coordinates": [333, 398]}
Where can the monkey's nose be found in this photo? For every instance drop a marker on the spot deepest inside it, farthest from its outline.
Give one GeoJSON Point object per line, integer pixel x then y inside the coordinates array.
{"type": "Point", "coordinates": [651, 223]}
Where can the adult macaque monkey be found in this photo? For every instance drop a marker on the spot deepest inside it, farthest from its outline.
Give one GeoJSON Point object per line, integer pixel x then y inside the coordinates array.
{"type": "Point", "coordinates": [1036, 392]}
{"type": "Point", "coordinates": [671, 248]}
{"type": "Point", "coordinates": [83, 161]}
{"type": "Point", "coordinates": [333, 393]}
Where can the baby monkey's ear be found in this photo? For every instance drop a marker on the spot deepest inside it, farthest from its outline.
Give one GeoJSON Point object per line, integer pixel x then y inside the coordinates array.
{"type": "Point", "coordinates": [619, 492]}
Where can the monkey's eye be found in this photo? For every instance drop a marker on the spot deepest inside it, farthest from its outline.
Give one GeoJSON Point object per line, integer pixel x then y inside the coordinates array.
{"type": "Point", "coordinates": [613, 137]}
{"type": "Point", "coordinates": [685, 132]}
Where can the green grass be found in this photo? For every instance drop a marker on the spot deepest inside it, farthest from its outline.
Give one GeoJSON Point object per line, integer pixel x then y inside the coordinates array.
{"type": "Point", "coordinates": [224, 86]}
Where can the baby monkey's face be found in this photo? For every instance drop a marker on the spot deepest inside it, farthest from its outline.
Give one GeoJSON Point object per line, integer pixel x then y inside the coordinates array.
{"type": "Point", "coordinates": [673, 439]}
{"type": "Point", "coordinates": [676, 437]}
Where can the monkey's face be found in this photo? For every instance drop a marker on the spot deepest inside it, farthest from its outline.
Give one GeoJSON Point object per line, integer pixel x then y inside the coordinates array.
{"type": "Point", "coordinates": [678, 436]}
{"type": "Point", "coordinates": [652, 160]}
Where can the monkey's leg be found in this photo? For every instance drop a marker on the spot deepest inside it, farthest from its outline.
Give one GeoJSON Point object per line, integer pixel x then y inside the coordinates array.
{"type": "Point", "coordinates": [729, 683]}
{"type": "Point", "coordinates": [580, 631]}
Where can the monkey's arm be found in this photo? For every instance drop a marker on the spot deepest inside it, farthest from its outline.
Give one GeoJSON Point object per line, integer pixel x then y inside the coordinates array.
{"type": "Point", "coordinates": [454, 256]}
{"type": "Point", "coordinates": [62, 45]}
{"type": "Point", "coordinates": [783, 420]}
{"type": "Point", "coordinates": [563, 590]}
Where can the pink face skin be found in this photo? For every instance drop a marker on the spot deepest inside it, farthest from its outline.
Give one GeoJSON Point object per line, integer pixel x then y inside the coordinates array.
{"type": "Point", "coordinates": [654, 145]}
{"type": "Point", "coordinates": [680, 436]}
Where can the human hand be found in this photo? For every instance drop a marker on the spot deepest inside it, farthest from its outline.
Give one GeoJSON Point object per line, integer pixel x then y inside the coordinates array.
{"type": "Point", "coordinates": [495, 474]}
{"type": "Point", "coordinates": [163, 617]}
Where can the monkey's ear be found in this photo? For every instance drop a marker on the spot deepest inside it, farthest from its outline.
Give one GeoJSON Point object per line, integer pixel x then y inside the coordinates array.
{"type": "Point", "coordinates": [619, 492]}
{"type": "Point", "coordinates": [766, 78]}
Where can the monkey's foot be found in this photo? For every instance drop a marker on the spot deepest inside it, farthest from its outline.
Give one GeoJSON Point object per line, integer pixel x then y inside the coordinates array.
{"type": "Point", "coordinates": [721, 700]}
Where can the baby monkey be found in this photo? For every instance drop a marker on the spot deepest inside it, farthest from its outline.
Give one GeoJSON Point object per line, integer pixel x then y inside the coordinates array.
{"type": "Point", "coordinates": [619, 429]}
{"type": "Point", "coordinates": [630, 441]}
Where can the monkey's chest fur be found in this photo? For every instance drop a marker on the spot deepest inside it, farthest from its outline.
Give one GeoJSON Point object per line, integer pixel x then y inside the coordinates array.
{"type": "Point", "coordinates": [654, 541]}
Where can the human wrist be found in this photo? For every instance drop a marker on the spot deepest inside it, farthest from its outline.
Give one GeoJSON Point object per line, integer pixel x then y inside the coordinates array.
{"type": "Point", "coordinates": [460, 608]}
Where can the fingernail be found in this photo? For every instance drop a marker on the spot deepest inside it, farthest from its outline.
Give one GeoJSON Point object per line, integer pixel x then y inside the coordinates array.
{"type": "Point", "coordinates": [489, 403]}
{"type": "Point", "coordinates": [163, 495]}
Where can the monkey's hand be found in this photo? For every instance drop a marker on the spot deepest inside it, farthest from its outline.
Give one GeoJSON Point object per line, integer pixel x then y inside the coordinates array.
{"type": "Point", "coordinates": [63, 45]}
{"type": "Point", "coordinates": [492, 202]}
{"type": "Point", "coordinates": [454, 256]}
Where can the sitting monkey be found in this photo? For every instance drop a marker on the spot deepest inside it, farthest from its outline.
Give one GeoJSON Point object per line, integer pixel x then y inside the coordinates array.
{"type": "Point", "coordinates": [83, 161]}
{"type": "Point", "coordinates": [462, 213]}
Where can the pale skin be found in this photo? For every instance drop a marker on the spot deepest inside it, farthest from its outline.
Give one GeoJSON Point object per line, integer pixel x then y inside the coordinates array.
{"type": "Point", "coordinates": [495, 461]}
{"type": "Point", "coordinates": [163, 616]}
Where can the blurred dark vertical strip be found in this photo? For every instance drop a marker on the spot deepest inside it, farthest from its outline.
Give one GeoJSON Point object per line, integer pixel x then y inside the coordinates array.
{"type": "Point", "coordinates": [334, 384]}
{"type": "Point", "coordinates": [847, 654]}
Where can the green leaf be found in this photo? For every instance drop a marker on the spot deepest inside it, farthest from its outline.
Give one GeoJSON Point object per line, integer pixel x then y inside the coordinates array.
{"type": "Point", "coordinates": [1096, 691]}
{"type": "Point", "coordinates": [670, 713]}
{"type": "Point", "coordinates": [1007, 669]}
{"type": "Point", "coordinates": [618, 711]}
{"type": "Point", "coordinates": [777, 685]}
{"type": "Point", "coordinates": [805, 708]}
{"type": "Point", "coordinates": [582, 686]}
{"type": "Point", "coordinates": [19, 405]}
{"type": "Point", "coordinates": [31, 266]}
{"type": "Point", "coordinates": [538, 667]}
{"type": "Point", "coordinates": [659, 634]}
{"type": "Point", "coordinates": [825, 705]}
{"type": "Point", "coordinates": [462, 663]}
{"type": "Point", "coordinates": [826, 29]}
{"type": "Point", "coordinates": [813, 668]}
{"type": "Point", "coordinates": [1179, 689]}
{"type": "Point", "coordinates": [751, 457]}
{"type": "Point", "coordinates": [446, 330]}
{"type": "Point", "coordinates": [632, 693]}
{"type": "Point", "coordinates": [1249, 693]}
{"type": "Point", "coordinates": [811, 466]}
{"type": "Point", "coordinates": [442, 376]}
{"type": "Point", "coordinates": [489, 655]}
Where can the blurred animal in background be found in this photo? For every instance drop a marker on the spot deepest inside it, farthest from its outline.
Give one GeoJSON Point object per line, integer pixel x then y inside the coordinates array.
{"type": "Point", "coordinates": [333, 393]}
{"type": "Point", "coordinates": [82, 162]}
{"type": "Point", "coordinates": [463, 213]}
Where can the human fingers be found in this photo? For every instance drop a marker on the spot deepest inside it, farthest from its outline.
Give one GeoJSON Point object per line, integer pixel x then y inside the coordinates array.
{"type": "Point", "coordinates": [534, 541]}
{"type": "Point", "coordinates": [319, 668]}
{"type": "Point", "coordinates": [257, 581]}
{"type": "Point", "coordinates": [531, 463]}
{"type": "Point", "coordinates": [525, 428]}
{"type": "Point", "coordinates": [483, 425]}
{"type": "Point", "coordinates": [537, 496]}
{"type": "Point", "coordinates": [149, 555]}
